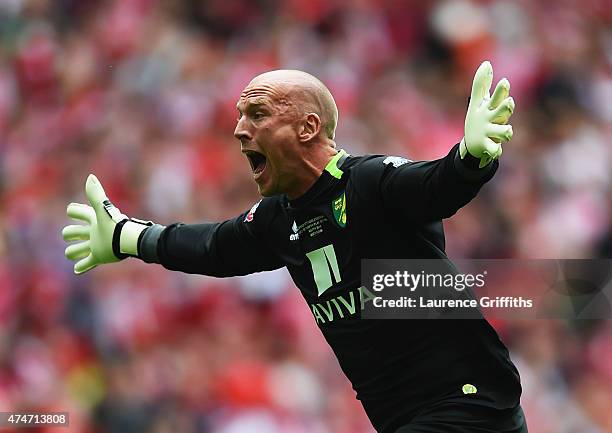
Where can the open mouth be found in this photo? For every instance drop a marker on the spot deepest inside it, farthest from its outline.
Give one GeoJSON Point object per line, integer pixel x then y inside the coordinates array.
{"type": "Point", "coordinates": [257, 161]}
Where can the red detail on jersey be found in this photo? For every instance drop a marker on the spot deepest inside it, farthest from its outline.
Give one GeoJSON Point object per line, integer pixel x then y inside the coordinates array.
{"type": "Point", "coordinates": [251, 213]}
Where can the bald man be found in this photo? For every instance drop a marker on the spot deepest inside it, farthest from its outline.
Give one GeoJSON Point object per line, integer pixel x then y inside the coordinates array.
{"type": "Point", "coordinates": [286, 126]}
{"type": "Point", "coordinates": [324, 211]}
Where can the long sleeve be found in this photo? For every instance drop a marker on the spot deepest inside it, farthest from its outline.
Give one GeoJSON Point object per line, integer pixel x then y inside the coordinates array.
{"type": "Point", "coordinates": [426, 191]}
{"type": "Point", "coordinates": [233, 247]}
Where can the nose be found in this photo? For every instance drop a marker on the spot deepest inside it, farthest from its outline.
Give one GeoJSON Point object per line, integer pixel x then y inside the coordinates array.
{"type": "Point", "coordinates": [241, 132]}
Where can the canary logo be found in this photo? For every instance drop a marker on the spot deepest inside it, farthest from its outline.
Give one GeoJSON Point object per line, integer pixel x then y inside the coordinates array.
{"type": "Point", "coordinates": [339, 208]}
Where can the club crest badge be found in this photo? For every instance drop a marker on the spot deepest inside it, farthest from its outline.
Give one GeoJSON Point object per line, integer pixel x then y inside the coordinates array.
{"type": "Point", "coordinates": [339, 210]}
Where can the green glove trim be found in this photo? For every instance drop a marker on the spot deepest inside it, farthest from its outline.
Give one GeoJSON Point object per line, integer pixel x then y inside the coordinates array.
{"type": "Point", "coordinates": [130, 233]}
{"type": "Point", "coordinates": [126, 236]}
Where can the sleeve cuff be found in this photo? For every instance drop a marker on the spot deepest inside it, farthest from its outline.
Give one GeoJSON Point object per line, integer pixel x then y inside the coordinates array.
{"type": "Point", "coordinates": [468, 167]}
{"type": "Point", "coordinates": [147, 245]}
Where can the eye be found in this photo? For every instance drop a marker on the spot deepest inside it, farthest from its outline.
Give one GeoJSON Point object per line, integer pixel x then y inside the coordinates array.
{"type": "Point", "coordinates": [258, 115]}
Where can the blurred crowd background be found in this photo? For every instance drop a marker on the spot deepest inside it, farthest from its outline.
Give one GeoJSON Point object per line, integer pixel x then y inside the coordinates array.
{"type": "Point", "coordinates": [143, 94]}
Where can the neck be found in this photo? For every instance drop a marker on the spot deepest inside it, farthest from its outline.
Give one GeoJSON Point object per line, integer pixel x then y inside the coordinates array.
{"type": "Point", "coordinates": [313, 165]}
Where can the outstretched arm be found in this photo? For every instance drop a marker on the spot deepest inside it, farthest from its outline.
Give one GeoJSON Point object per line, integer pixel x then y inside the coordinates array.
{"type": "Point", "coordinates": [229, 248]}
{"type": "Point", "coordinates": [217, 249]}
{"type": "Point", "coordinates": [427, 191]}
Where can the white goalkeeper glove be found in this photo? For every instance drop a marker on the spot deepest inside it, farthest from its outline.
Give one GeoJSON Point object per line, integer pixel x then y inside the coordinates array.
{"type": "Point", "coordinates": [108, 235]}
{"type": "Point", "coordinates": [487, 117]}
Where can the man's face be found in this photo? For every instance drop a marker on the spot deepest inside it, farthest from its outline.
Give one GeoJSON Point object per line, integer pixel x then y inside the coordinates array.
{"type": "Point", "coordinates": [267, 130]}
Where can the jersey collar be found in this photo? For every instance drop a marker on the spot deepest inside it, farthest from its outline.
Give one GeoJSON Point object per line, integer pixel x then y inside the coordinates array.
{"type": "Point", "coordinates": [333, 166]}
{"type": "Point", "coordinates": [330, 175]}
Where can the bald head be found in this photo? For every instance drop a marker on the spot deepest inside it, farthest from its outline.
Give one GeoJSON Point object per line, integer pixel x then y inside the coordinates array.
{"type": "Point", "coordinates": [286, 126]}
{"type": "Point", "coordinates": [304, 92]}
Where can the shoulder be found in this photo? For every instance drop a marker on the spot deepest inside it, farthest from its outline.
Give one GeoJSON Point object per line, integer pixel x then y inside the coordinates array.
{"type": "Point", "coordinates": [372, 169]}
{"type": "Point", "coordinates": [365, 179]}
{"type": "Point", "coordinates": [262, 212]}
{"type": "Point", "coordinates": [364, 164]}
{"type": "Point", "coordinates": [259, 218]}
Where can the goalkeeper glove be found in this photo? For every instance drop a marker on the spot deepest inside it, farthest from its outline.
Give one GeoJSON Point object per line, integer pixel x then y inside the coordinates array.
{"type": "Point", "coordinates": [487, 117]}
{"type": "Point", "coordinates": [108, 235]}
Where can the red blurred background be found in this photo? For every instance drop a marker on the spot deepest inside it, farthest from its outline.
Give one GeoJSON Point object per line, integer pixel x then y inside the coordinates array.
{"type": "Point", "coordinates": [143, 94]}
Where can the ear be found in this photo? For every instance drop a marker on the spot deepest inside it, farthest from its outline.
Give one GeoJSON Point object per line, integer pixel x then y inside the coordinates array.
{"type": "Point", "coordinates": [309, 127]}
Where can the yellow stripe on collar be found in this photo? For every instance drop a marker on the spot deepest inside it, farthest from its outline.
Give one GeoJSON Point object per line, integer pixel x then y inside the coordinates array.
{"type": "Point", "coordinates": [332, 166]}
